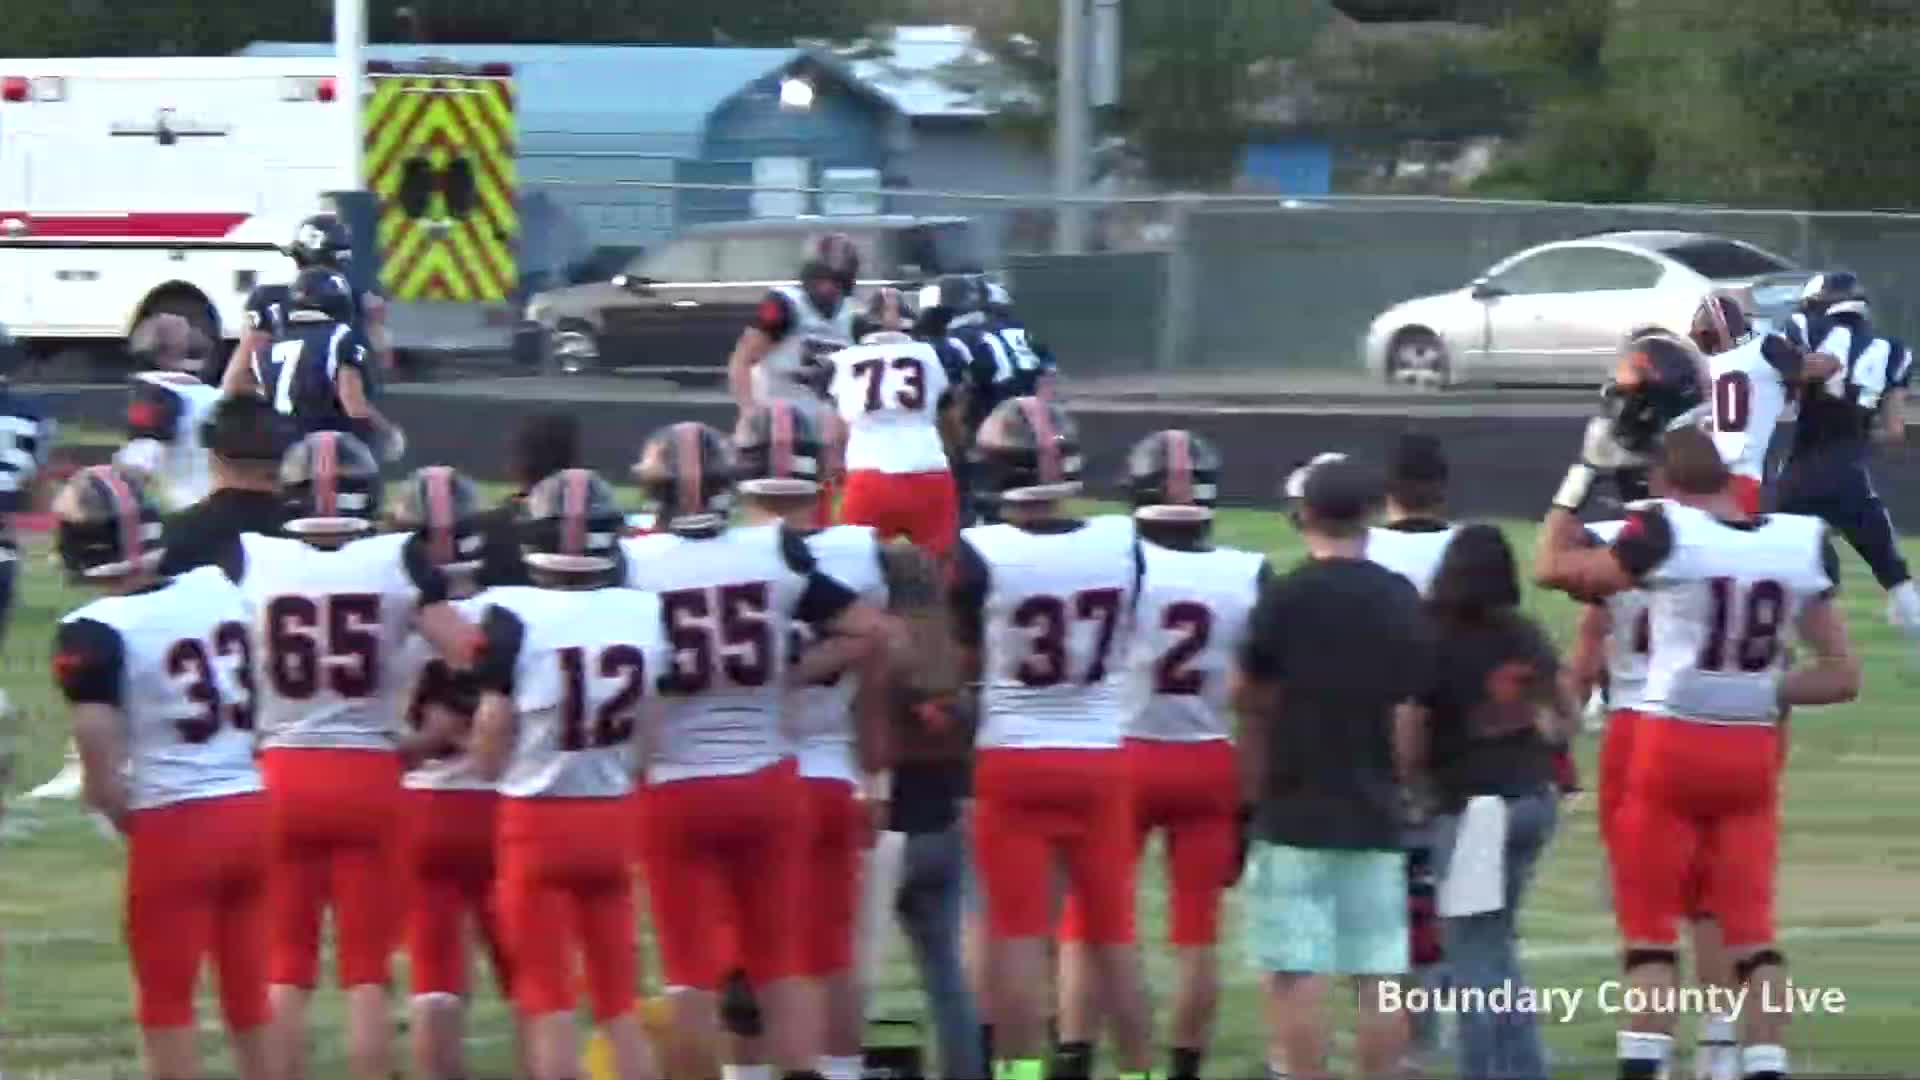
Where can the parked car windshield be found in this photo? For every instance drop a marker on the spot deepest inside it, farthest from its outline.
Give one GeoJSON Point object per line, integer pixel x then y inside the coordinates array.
{"type": "Point", "coordinates": [1724, 259]}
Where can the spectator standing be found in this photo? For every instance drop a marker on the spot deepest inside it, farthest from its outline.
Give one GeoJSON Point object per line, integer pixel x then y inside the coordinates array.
{"type": "Point", "coordinates": [545, 444]}
{"type": "Point", "coordinates": [1336, 652]}
{"type": "Point", "coordinates": [1488, 731]}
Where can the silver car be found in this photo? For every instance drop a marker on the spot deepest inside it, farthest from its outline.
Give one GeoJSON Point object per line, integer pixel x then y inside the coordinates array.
{"type": "Point", "coordinates": [1558, 313]}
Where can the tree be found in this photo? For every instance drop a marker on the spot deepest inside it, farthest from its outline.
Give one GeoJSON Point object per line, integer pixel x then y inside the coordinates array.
{"type": "Point", "coordinates": [1188, 76]}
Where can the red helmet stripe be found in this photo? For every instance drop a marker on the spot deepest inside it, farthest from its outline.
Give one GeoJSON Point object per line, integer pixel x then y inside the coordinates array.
{"type": "Point", "coordinates": [1179, 467]}
{"type": "Point", "coordinates": [126, 509]}
{"type": "Point", "coordinates": [326, 474]}
{"type": "Point", "coordinates": [780, 449]}
{"type": "Point", "coordinates": [688, 481]}
{"type": "Point", "coordinates": [439, 484]}
{"type": "Point", "coordinates": [1046, 448]}
{"type": "Point", "coordinates": [573, 513]}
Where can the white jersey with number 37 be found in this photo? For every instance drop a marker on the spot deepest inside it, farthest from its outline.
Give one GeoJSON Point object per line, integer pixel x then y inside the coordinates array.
{"type": "Point", "coordinates": [1721, 605]}
{"type": "Point", "coordinates": [1749, 398]}
{"type": "Point", "coordinates": [889, 396]}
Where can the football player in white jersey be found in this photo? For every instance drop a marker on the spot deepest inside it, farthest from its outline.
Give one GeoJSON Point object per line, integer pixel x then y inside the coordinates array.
{"type": "Point", "coordinates": [331, 608]}
{"type": "Point", "coordinates": [450, 807]}
{"type": "Point", "coordinates": [164, 415]}
{"type": "Point", "coordinates": [780, 355]}
{"type": "Point", "coordinates": [723, 817]}
{"type": "Point", "coordinates": [778, 451]}
{"type": "Point", "coordinates": [1042, 602]}
{"type": "Point", "coordinates": [900, 406]}
{"type": "Point", "coordinates": [1724, 592]}
{"type": "Point", "coordinates": [567, 667]}
{"type": "Point", "coordinates": [1753, 378]}
{"type": "Point", "coordinates": [1190, 614]}
{"type": "Point", "coordinates": [157, 676]}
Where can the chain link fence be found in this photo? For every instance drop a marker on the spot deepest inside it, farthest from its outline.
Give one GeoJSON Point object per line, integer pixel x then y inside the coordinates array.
{"type": "Point", "coordinates": [1244, 283]}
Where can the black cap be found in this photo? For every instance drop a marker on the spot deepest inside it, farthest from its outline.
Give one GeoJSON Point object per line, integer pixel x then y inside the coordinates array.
{"type": "Point", "coordinates": [1340, 491]}
{"type": "Point", "coordinates": [1418, 458]}
{"type": "Point", "coordinates": [246, 428]}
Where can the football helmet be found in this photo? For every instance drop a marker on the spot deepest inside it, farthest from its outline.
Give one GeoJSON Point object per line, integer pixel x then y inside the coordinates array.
{"type": "Point", "coordinates": [322, 240]}
{"type": "Point", "coordinates": [570, 524]}
{"type": "Point", "coordinates": [1837, 292]}
{"type": "Point", "coordinates": [330, 484]}
{"type": "Point", "coordinates": [955, 295]}
{"type": "Point", "coordinates": [834, 258]}
{"type": "Point", "coordinates": [1719, 323]}
{"type": "Point", "coordinates": [1173, 476]}
{"type": "Point", "coordinates": [1027, 451]}
{"type": "Point", "coordinates": [323, 290]}
{"type": "Point", "coordinates": [777, 450]}
{"type": "Point", "coordinates": [999, 300]}
{"type": "Point", "coordinates": [1659, 382]}
{"type": "Point", "coordinates": [442, 507]}
{"type": "Point", "coordinates": [888, 309]}
{"type": "Point", "coordinates": [687, 470]}
{"type": "Point", "coordinates": [108, 526]}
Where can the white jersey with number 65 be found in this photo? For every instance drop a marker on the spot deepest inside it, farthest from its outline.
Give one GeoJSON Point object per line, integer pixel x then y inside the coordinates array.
{"type": "Point", "coordinates": [890, 397]}
{"type": "Point", "coordinates": [1749, 398]}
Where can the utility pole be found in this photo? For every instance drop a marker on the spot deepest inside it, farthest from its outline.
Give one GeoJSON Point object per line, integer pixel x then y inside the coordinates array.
{"type": "Point", "coordinates": [1072, 129]}
{"type": "Point", "coordinates": [350, 56]}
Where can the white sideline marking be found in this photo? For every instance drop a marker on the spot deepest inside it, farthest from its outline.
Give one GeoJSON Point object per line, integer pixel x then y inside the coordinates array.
{"type": "Point", "coordinates": [1875, 931]}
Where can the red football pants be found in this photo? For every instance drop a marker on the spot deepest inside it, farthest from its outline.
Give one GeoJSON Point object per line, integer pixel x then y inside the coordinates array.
{"type": "Point", "coordinates": [336, 828]}
{"type": "Point", "coordinates": [197, 885]}
{"type": "Point", "coordinates": [1190, 790]}
{"type": "Point", "coordinates": [923, 507]}
{"type": "Point", "coordinates": [1698, 829]}
{"type": "Point", "coordinates": [837, 835]}
{"type": "Point", "coordinates": [725, 862]}
{"type": "Point", "coordinates": [566, 886]}
{"type": "Point", "coordinates": [1033, 806]}
{"type": "Point", "coordinates": [450, 859]}
{"type": "Point", "coordinates": [1747, 490]}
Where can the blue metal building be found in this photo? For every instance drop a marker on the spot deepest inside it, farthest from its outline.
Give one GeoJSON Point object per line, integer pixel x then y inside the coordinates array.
{"type": "Point", "coordinates": [593, 117]}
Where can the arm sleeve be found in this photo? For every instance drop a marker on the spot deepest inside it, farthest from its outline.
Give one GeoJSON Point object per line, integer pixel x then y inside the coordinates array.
{"type": "Point", "coordinates": [352, 352]}
{"type": "Point", "coordinates": [153, 412]}
{"type": "Point", "coordinates": [427, 579]}
{"type": "Point", "coordinates": [88, 661]}
{"type": "Point", "coordinates": [260, 308]}
{"type": "Point", "coordinates": [501, 635]}
{"type": "Point", "coordinates": [1263, 655]}
{"type": "Point", "coordinates": [1644, 542]}
{"type": "Point", "coordinates": [1783, 356]}
{"type": "Point", "coordinates": [774, 316]}
{"type": "Point", "coordinates": [967, 595]}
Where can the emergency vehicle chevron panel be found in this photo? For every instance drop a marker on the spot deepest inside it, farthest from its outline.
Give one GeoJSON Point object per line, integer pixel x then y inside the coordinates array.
{"type": "Point", "coordinates": [440, 157]}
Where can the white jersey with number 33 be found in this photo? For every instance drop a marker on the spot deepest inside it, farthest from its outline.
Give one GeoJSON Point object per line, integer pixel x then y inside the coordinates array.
{"type": "Point", "coordinates": [1721, 605]}
{"type": "Point", "coordinates": [889, 396]}
{"type": "Point", "coordinates": [1749, 398]}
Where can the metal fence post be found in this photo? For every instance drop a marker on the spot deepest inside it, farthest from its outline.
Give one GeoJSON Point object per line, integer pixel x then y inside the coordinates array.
{"type": "Point", "coordinates": [1176, 305]}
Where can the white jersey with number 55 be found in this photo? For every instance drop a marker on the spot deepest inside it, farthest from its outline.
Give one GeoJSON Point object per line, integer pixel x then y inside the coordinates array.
{"type": "Point", "coordinates": [890, 396]}
{"type": "Point", "coordinates": [1723, 598]}
{"type": "Point", "coordinates": [1749, 399]}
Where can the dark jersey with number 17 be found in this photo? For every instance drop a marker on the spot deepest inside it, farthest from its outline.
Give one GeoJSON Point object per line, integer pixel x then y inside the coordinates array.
{"type": "Point", "coordinates": [300, 373]}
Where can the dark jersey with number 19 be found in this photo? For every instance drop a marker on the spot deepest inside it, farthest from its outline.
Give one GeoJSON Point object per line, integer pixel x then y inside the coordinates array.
{"type": "Point", "coordinates": [1050, 608]}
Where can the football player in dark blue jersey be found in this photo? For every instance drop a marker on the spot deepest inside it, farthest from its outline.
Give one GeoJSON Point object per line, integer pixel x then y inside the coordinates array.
{"type": "Point", "coordinates": [321, 242]}
{"type": "Point", "coordinates": [315, 371]}
{"type": "Point", "coordinates": [26, 437]}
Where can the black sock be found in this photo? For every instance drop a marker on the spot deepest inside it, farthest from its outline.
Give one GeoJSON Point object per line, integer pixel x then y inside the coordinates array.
{"type": "Point", "coordinates": [986, 1044]}
{"type": "Point", "coordinates": [1767, 1074]}
{"type": "Point", "coordinates": [803, 1074]}
{"type": "Point", "coordinates": [1072, 1061]}
{"type": "Point", "coordinates": [1639, 1070]}
{"type": "Point", "coordinates": [1185, 1064]}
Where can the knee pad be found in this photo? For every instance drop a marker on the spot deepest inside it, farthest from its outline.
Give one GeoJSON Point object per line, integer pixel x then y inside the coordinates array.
{"type": "Point", "coordinates": [739, 1011]}
{"type": "Point", "coordinates": [1743, 969]}
{"type": "Point", "coordinates": [1634, 958]}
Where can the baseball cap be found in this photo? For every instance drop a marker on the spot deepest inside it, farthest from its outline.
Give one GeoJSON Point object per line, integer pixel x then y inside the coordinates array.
{"type": "Point", "coordinates": [246, 428]}
{"type": "Point", "coordinates": [1341, 490]}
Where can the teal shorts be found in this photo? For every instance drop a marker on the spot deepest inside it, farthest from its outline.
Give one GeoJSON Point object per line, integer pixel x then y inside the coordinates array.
{"type": "Point", "coordinates": [1324, 911]}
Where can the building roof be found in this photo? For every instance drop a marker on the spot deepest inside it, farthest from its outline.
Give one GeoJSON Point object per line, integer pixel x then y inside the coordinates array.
{"type": "Point", "coordinates": [933, 71]}
{"type": "Point", "coordinates": [663, 91]}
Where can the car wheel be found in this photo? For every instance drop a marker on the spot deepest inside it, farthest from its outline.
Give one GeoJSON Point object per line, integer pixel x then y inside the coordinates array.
{"type": "Point", "coordinates": [1417, 357]}
{"type": "Point", "coordinates": [575, 347]}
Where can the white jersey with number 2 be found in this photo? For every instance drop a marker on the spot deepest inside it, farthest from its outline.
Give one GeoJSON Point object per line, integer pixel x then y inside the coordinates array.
{"type": "Point", "coordinates": [1749, 398]}
{"type": "Point", "coordinates": [889, 396]}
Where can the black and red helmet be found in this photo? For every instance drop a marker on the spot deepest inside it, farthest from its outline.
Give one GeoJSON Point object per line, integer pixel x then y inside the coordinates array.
{"type": "Point", "coordinates": [108, 526]}
{"type": "Point", "coordinates": [330, 483]}
{"type": "Point", "coordinates": [1719, 323]}
{"type": "Point", "coordinates": [442, 507]}
{"type": "Point", "coordinates": [1658, 382]}
{"type": "Point", "coordinates": [778, 450]}
{"type": "Point", "coordinates": [1173, 475]}
{"type": "Point", "coordinates": [570, 523]}
{"type": "Point", "coordinates": [688, 471]}
{"type": "Point", "coordinates": [1027, 451]}
{"type": "Point", "coordinates": [834, 257]}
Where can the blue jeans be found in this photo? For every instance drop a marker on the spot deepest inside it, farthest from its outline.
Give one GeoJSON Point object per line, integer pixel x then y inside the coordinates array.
{"type": "Point", "coordinates": [929, 904]}
{"type": "Point", "coordinates": [1483, 950]}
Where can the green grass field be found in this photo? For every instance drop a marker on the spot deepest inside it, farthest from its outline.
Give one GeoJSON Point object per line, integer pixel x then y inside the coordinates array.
{"type": "Point", "coordinates": [1849, 885]}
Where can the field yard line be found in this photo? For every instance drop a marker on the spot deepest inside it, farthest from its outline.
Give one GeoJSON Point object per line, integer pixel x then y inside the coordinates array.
{"type": "Point", "coordinates": [1885, 929]}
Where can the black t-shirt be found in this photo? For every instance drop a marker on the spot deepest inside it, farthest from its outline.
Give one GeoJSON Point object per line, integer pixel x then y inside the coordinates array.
{"type": "Point", "coordinates": [201, 534]}
{"type": "Point", "coordinates": [500, 559]}
{"type": "Point", "coordinates": [1346, 641]}
{"type": "Point", "coordinates": [1490, 680]}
